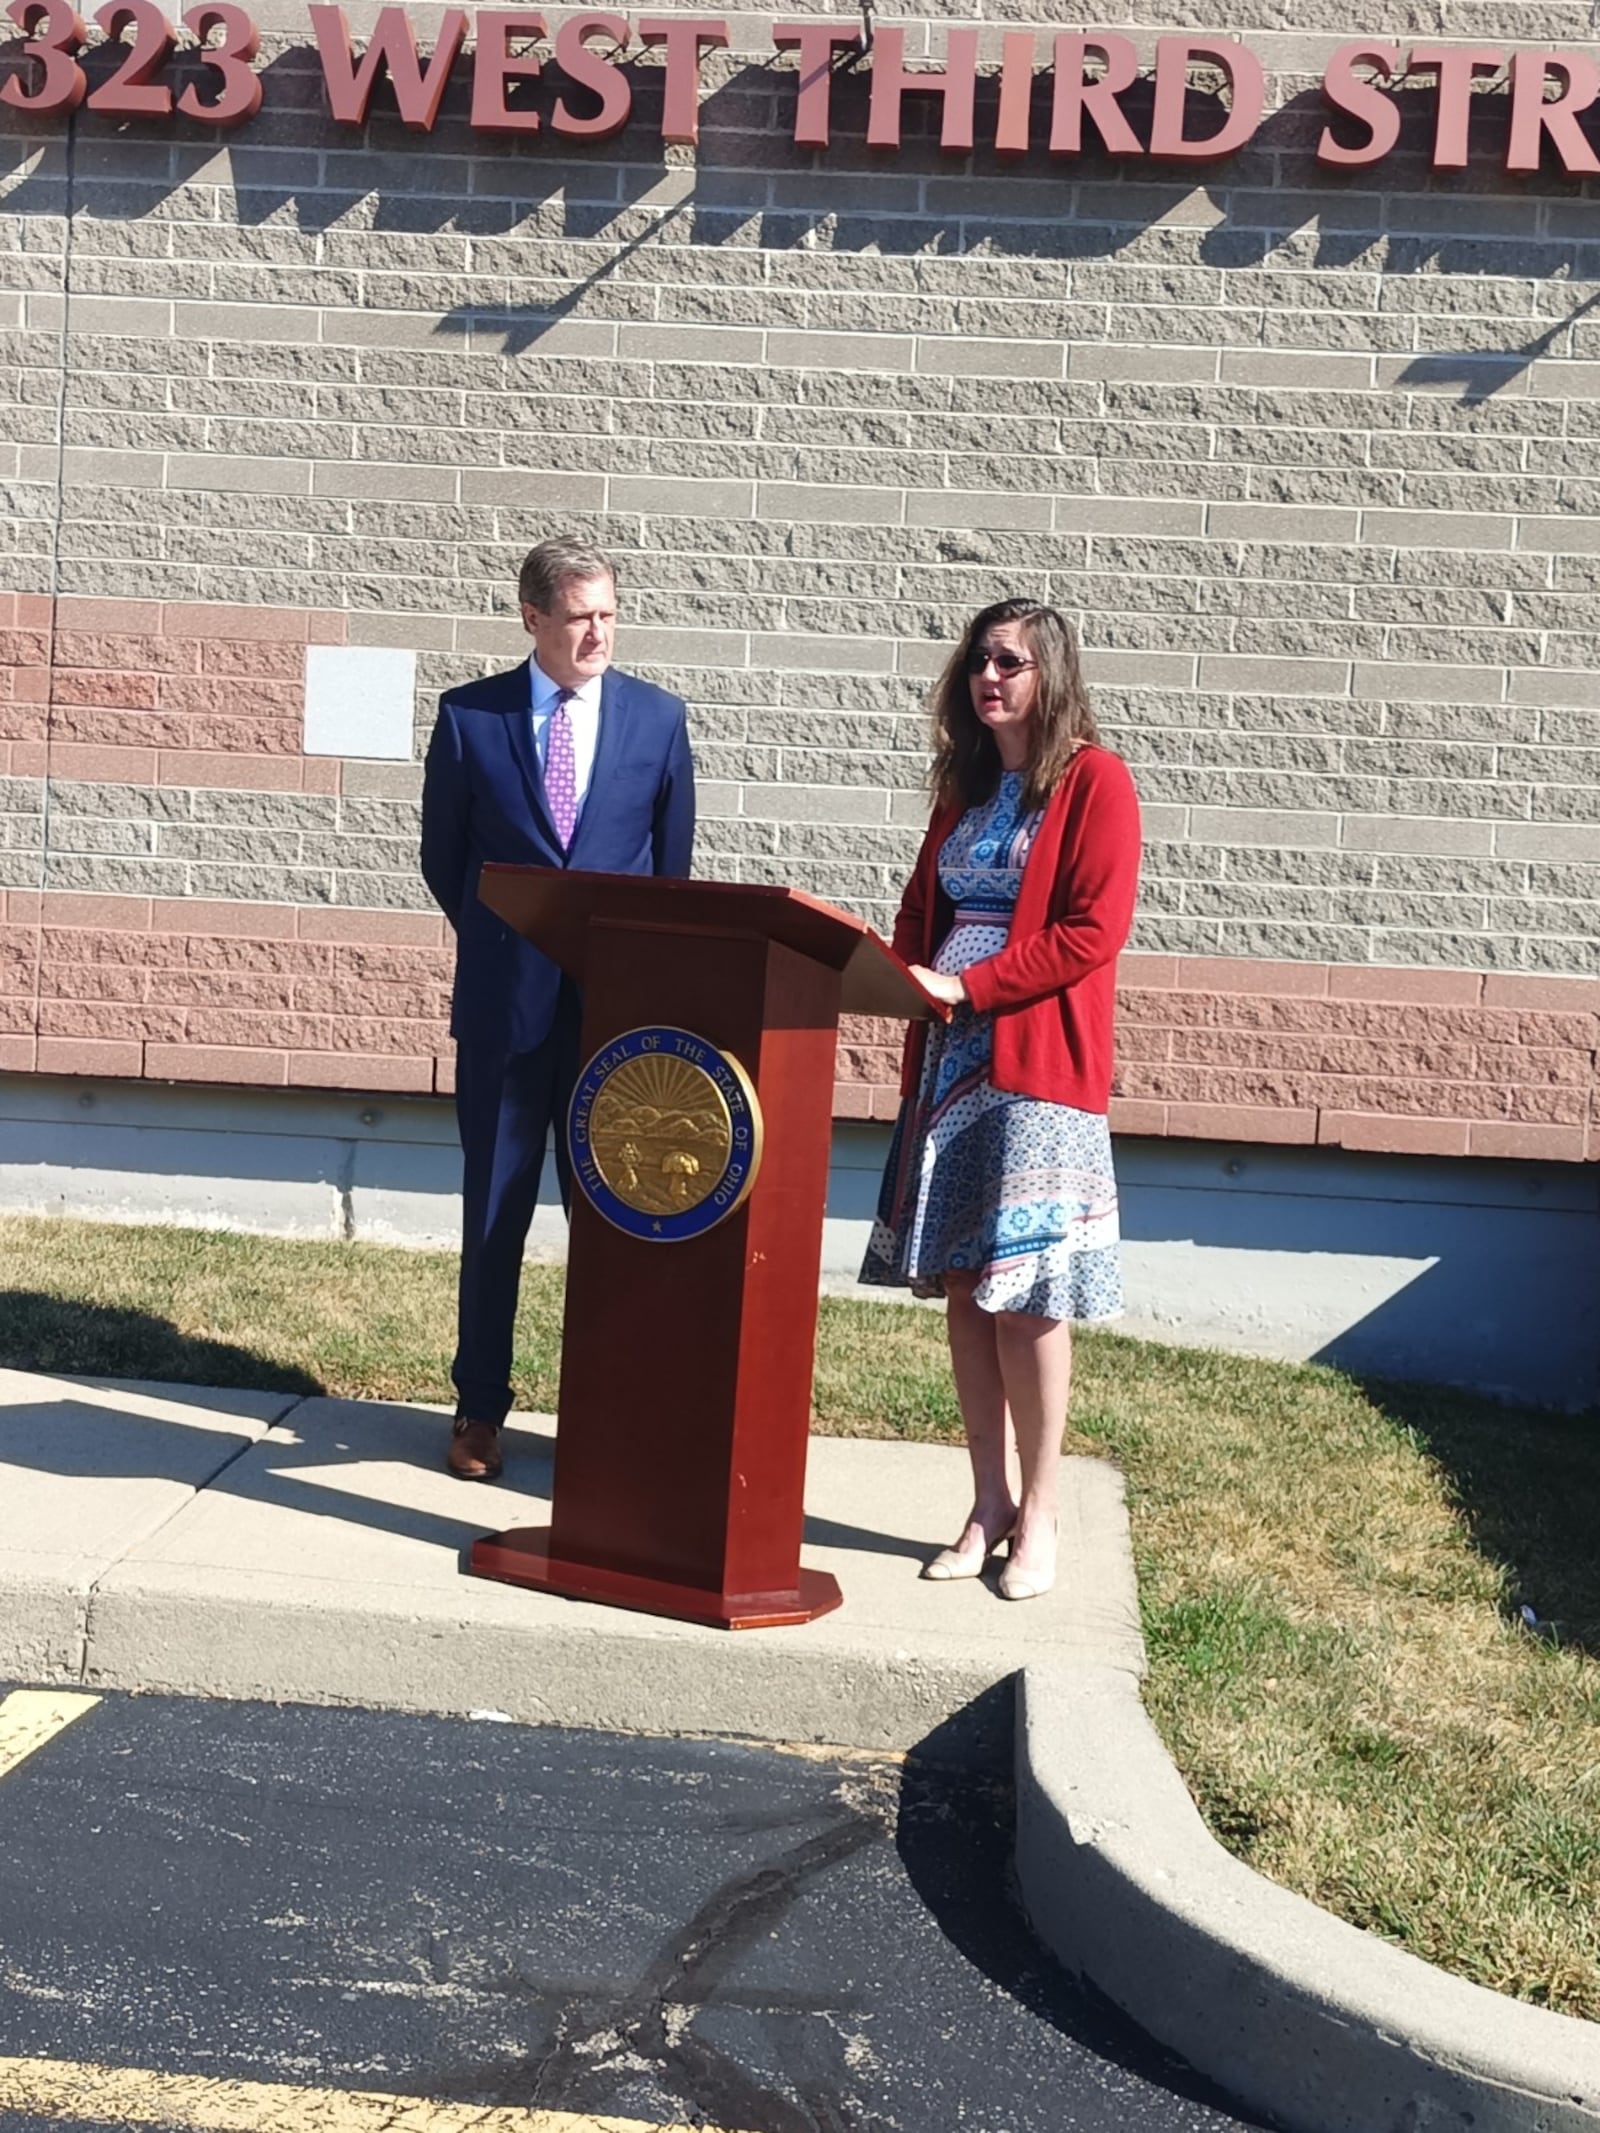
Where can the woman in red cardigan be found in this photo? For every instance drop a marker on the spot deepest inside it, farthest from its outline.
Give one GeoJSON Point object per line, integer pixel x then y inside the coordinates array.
{"type": "Point", "coordinates": [999, 1192]}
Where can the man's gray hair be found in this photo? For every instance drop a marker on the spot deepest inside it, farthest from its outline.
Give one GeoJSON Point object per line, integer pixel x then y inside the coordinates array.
{"type": "Point", "coordinates": [548, 567]}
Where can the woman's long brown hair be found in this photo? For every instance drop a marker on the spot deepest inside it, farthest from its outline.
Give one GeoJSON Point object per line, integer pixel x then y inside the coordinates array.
{"type": "Point", "coordinates": [966, 762]}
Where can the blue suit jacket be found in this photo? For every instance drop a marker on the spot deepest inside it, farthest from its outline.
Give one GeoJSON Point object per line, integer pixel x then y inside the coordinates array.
{"type": "Point", "coordinates": [483, 798]}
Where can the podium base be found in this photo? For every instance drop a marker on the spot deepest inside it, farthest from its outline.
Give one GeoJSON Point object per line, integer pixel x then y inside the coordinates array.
{"type": "Point", "coordinates": [522, 1557]}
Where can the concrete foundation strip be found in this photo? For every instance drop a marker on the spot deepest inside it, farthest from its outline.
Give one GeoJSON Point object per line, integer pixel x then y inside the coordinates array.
{"type": "Point", "coordinates": [1298, 2015]}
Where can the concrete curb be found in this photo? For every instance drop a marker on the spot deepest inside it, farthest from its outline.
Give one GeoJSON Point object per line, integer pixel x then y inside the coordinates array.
{"type": "Point", "coordinates": [192, 1542]}
{"type": "Point", "coordinates": [172, 1637]}
{"type": "Point", "coordinates": [1296, 2014]}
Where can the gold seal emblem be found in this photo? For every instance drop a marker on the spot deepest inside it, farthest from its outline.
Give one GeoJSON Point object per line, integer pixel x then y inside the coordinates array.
{"type": "Point", "coordinates": [661, 1134]}
{"type": "Point", "coordinates": [664, 1134]}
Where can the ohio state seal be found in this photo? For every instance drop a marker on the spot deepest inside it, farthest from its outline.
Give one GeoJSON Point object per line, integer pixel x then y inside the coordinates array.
{"type": "Point", "coordinates": [664, 1134]}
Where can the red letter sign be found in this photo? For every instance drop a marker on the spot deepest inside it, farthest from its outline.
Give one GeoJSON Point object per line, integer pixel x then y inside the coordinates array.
{"type": "Point", "coordinates": [1532, 117]}
{"type": "Point", "coordinates": [817, 42]}
{"type": "Point", "coordinates": [1247, 83]}
{"type": "Point", "coordinates": [132, 92]}
{"type": "Point", "coordinates": [52, 34]}
{"type": "Point", "coordinates": [1078, 97]}
{"type": "Point", "coordinates": [1455, 66]}
{"type": "Point", "coordinates": [239, 95]}
{"type": "Point", "coordinates": [683, 36]}
{"type": "Point", "coordinates": [391, 49]}
{"type": "Point", "coordinates": [956, 82]}
{"type": "Point", "coordinates": [494, 64]}
{"type": "Point", "coordinates": [602, 76]}
{"type": "Point", "coordinates": [1349, 91]}
{"type": "Point", "coordinates": [1012, 121]}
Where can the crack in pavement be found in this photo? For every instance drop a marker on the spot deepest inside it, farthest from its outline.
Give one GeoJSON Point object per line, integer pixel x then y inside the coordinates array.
{"type": "Point", "coordinates": [651, 2029]}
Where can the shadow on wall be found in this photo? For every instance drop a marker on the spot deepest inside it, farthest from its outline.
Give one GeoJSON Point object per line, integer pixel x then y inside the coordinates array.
{"type": "Point", "coordinates": [1482, 1275]}
{"type": "Point", "coordinates": [1524, 1332]}
{"type": "Point", "coordinates": [743, 191]}
{"type": "Point", "coordinates": [345, 1144]}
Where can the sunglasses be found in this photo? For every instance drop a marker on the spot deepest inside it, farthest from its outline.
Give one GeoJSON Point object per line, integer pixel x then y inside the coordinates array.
{"type": "Point", "coordinates": [1002, 662]}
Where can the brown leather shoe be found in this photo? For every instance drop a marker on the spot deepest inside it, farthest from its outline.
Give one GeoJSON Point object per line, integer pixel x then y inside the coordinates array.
{"type": "Point", "coordinates": [474, 1453]}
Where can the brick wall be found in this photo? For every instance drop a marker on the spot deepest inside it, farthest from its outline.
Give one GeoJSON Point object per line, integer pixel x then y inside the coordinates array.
{"type": "Point", "coordinates": [1397, 1062]}
{"type": "Point", "coordinates": [207, 913]}
{"type": "Point", "coordinates": [1307, 458]}
{"type": "Point", "coordinates": [257, 995]}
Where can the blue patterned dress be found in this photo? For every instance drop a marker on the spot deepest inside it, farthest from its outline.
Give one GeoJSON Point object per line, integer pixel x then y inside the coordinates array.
{"type": "Point", "coordinates": [1015, 1189]}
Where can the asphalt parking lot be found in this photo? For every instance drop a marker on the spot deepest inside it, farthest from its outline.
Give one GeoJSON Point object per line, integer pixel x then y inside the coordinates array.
{"type": "Point", "coordinates": [248, 1916]}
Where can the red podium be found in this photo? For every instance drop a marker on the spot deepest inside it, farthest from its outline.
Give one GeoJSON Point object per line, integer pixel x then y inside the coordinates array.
{"type": "Point", "coordinates": [686, 1366]}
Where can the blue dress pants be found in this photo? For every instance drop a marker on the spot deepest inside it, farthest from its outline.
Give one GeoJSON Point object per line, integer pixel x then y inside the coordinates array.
{"type": "Point", "coordinates": [505, 1107]}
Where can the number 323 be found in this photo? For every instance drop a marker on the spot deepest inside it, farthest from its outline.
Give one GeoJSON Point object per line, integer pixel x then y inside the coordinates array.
{"type": "Point", "coordinates": [54, 34]}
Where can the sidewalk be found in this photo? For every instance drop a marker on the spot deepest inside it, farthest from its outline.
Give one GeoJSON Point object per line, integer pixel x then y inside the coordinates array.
{"type": "Point", "coordinates": [265, 1545]}
{"type": "Point", "coordinates": [307, 1550]}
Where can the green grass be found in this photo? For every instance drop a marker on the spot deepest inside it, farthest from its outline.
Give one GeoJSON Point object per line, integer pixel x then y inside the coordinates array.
{"type": "Point", "coordinates": [1331, 1573]}
{"type": "Point", "coordinates": [368, 1322]}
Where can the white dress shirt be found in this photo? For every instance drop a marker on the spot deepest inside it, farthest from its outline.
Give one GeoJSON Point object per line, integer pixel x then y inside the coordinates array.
{"type": "Point", "coordinates": [583, 708]}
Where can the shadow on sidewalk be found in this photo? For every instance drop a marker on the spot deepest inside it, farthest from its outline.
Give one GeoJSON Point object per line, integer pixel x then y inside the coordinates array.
{"type": "Point", "coordinates": [955, 1833]}
{"type": "Point", "coordinates": [331, 1475]}
{"type": "Point", "coordinates": [358, 1463]}
{"type": "Point", "coordinates": [59, 1337]}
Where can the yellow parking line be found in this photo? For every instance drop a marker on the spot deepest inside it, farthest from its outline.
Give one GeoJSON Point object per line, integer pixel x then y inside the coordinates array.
{"type": "Point", "coordinates": [63, 2090]}
{"type": "Point", "coordinates": [30, 1717]}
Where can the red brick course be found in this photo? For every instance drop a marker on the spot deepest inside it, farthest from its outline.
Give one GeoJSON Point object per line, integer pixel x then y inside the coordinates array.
{"type": "Point", "coordinates": [1423, 1062]}
{"type": "Point", "coordinates": [258, 993]}
{"type": "Point", "coordinates": [312, 997]}
{"type": "Point", "coordinates": [147, 692]}
{"type": "Point", "coordinates": [25, 622]}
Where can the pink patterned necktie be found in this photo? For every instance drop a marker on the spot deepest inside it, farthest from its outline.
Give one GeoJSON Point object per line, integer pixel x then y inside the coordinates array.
{"type": "Point", "coordinates": [561, 771]}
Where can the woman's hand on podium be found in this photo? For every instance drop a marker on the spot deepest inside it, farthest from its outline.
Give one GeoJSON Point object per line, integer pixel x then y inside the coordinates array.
{"type": "Point", "coordinates": [948, 991]}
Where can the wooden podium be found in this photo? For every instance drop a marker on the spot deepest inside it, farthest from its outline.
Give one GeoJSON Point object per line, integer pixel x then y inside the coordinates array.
{"type": "Point", "coordinates": [686, 1366]}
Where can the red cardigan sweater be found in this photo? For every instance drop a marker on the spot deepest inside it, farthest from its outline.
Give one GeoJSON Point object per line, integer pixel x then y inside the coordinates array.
{"type": "Point", "coordinates": [1051, 988]}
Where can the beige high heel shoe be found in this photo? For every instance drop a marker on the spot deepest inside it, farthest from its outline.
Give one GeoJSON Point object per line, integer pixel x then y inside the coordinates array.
{"type": "Point", "coordinates": [951, 1563]}
{"type": "Point", "coordinates": [1017, 1584]}
{"type": "Point", "coordinates": [1025, 1584]}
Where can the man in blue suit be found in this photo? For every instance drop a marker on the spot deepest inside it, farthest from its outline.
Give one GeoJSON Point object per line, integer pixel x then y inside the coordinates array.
{"type": "Point", "coordinates": [563, 762]}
